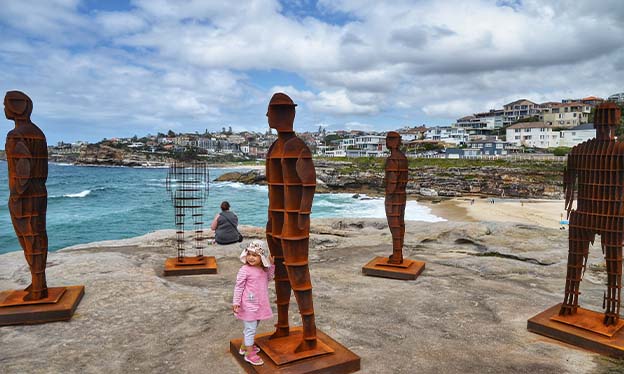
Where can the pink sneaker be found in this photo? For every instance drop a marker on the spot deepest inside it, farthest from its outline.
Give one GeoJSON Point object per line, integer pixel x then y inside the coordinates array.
{"type": "Point", "coordinates": [242, 350]}
{"type": "Point", "coordinates": [254, 359]}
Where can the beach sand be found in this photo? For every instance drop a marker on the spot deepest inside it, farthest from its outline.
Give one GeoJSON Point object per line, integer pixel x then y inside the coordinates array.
{"type": "Point", "coordinates": [545, 213]}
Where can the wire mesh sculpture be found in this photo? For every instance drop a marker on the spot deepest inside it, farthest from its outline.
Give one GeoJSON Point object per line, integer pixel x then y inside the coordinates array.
{"type": "Point", "coordinates": [187, 184]}
{"type": "Point", "coordinates": [27, 159]}
{"type": "Point", "coordinates": [595, 170]}
{"type": "Point", "coordinates": [291, 178]}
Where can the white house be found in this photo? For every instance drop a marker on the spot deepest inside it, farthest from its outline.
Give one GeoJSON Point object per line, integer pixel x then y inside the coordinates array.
{"type": "Point", "coordinates": [577, 135]}
{"type": "Point", "coordinates": [447, 134]}
{"type": "Point", "coordinates": [532, 134]}
{"type": "Point", "coordinates": [519, 109]}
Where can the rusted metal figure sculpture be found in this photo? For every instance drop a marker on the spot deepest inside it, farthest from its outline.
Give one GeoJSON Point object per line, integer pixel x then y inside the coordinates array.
{"type": "Point", "coordinates": [396, 198]}
{"type": "Point", "coordinates": [596, 171]}
{"type": "Point", "coordinates": [395, 266]}
{"type": "Point", "coordinates": [187, 184]}
{"type": "Point", "coordinates": [291, 178]}
{"type": "Point", "coordinates": [292, 181]}
{"type": "Point", "coordinates": [27, 159]}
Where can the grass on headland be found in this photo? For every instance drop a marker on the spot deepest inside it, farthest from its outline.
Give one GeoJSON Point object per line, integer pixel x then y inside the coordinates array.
{"type": "Point", "coordinates": [377, 163]}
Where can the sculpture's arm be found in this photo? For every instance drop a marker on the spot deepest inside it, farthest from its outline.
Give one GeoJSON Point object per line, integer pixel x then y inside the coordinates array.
{"type": "Point", "coordinates": [21, 172]}
{"type": "Point", "coordinates": [307, 174]}
{"type": "Point", "coordinates": [569, 184]}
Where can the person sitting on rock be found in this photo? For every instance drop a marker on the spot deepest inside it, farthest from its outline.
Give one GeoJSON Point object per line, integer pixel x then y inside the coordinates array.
{"type": "Point", "coordinates": [224, 225]}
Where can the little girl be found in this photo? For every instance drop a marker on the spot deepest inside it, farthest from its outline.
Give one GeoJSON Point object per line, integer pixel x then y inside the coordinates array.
{"type": "Point", "coordinates": [251, 295]}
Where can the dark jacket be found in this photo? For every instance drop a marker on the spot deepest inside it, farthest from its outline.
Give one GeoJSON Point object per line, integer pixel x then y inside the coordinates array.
{"type": "Point", "coordinates": [225, 232]}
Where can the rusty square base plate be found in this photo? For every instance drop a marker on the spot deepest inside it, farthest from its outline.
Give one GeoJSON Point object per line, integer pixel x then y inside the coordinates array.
{"type": "Point", "coordinates": [577, 330]}
{"type": "Point", "coordinates": [28, 314]}
{"type": "Point", "coordinates": [16, 298]}
{"type": "Point", "coordinates": [407, 270]}
{"type": "Point", "coordinates": [338, 360]}
{"type": "Point", "coordinates": [191, 266]}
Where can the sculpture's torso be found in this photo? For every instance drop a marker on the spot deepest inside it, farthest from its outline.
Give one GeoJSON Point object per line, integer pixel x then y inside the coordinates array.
{"type": "Point", "coordinates": [32, 200]}
{"type": "Point", "coordinates": [285, 187]}
{"type": "Point", "coordinates": [599, 168]}
{"type": "Point", "coordinates": [396, 178]}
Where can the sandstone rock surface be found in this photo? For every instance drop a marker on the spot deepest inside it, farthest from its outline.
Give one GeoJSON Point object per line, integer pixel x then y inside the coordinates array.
{"type": "Point", "coordinates": [466, 313]}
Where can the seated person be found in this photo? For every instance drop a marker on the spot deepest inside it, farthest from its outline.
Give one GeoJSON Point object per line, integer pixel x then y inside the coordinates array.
{"type": "Point", "coordinates": [224, 225]}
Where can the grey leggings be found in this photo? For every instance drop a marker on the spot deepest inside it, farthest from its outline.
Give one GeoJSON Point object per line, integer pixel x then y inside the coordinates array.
{"type": "Point", "coordinates": [249, 332]}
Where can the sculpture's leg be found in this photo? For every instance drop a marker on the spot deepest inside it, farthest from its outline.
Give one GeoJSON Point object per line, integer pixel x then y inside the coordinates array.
{"type": "Point", "coordinates": [282, 287]}
{"type": "Point", "coordinates": [397, 240]}
{"type": "Point", "coordinates": [296, 261]}
{"type": "Point", "coordinates": [613, 256]}
{"type": "Point", "coordinates": [577, 260]}
{"type": "Point", "coordinates": [38, 254]}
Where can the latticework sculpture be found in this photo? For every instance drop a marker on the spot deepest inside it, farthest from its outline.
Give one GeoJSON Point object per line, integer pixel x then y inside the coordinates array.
{"type": "Point", "coordinates": [396, 197]}
{"type": "Point", "coordinates": [595, 171]}
{"type": "Point", "coordinates": [187, 184]}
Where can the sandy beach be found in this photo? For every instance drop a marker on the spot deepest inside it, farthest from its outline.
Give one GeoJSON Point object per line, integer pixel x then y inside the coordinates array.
{"type": "Point", "coordinates": [545, 213]}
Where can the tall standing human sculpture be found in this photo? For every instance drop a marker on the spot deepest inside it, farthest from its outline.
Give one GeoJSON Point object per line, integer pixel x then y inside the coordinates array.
{"type": "Point", "coordinates": [396, 198]}
{"type": "Point", "coordinates": [596, 172]}
{"type": "Point", "coordinates": [27, 159]}
{"type": "Point", "coordinates": [397, 173]}
{"type": "Point", "coordinates": [291, 179]}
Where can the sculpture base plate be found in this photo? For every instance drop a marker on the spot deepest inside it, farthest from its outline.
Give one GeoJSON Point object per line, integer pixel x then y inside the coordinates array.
{"type": "Point", "coordinates": [407, 270]}
{"type": "Point", "coordinates": [191, 266]}
{"type": "Point", "coordinates": [584, 329]}
{"type": "Point", "coordinates": [16, 298]}
{"type": "Point", "coordinates": [26, 314]}
{"type": "Point", "coordinates": [330, 356]}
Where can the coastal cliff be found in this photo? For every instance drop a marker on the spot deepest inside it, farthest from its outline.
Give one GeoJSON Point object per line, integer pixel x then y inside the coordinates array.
{"type": "Point", "coordinates": [431, 181]}
{"type": "Point", "coordinates": [466, 313]}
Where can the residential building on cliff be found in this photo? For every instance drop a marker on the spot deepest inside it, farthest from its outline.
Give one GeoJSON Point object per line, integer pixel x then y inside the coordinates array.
{"type": "Point", "coordinates": [565, 114]}
{"type": "Point", "coordinates": [577, 135]}
{"type": "Point", "coordinates": [447, 134]}
{"type": "Point", "coordinates": [481, 125]}
{"type": "Point", "coordinates": [618, 98]}
{"type": "Point", "coordinates": [519, 109]}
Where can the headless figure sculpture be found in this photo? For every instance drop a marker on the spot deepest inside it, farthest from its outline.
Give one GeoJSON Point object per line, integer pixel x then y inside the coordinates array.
{"type": "Point", "coordinates": [292, 180]}
{"type": "Point", "coordinates": [396, 198]}
{"type": "Point", "coordinates": [27, 158]}
{"type": "Point", "coordinates": [596, 168]}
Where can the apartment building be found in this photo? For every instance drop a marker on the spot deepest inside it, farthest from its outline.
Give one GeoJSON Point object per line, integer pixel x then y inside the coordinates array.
{"type": "Point", "coordinates": [518, 110]}
{"type": "Point", "coordinates": [618, 98]}
{"type": "Point", "coordinates": [481, 125]}
{"type": "Point", "coordinates": [577, 135]}
{"type": "Point", "coordinates": [570, 114]}
{"type": "Point", "coordinates": [447, 134]}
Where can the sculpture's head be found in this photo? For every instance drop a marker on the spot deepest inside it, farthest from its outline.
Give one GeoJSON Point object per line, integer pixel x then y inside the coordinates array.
{"type": "Point", "coordinates": [17, 105]}
{"type": "Point", "coordinates": [393, 140]}
{"type": "Point", "coordinates": [281, 113]}
{"type": "Point", "coordinates": [606, 120]}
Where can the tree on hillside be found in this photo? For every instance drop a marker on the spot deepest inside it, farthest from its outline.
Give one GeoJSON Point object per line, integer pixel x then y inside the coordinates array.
{"type": "Point", "coordinates": [171, 134]}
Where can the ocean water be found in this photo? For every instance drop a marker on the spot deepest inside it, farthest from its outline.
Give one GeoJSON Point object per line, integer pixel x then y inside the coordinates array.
{"type": "Point", "coordinates": [87, 204]}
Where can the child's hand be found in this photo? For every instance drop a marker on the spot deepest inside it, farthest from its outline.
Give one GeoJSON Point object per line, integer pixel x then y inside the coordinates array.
{"type": "Point", "coordinates": [235, 308]}
{"type": "Point", "coordinates": [272, 259]}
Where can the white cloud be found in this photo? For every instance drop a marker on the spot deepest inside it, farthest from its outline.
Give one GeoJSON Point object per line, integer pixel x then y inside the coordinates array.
{"type": "Point", "coordinates": [187, 63]}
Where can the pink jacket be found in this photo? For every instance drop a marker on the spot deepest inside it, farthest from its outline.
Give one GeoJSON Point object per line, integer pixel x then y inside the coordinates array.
{"type": "Point", "coordinates": [252, 293]}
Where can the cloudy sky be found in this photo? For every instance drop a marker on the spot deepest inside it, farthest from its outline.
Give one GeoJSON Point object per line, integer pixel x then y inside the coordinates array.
{"type": "Point", "coordinates": [98, 69]}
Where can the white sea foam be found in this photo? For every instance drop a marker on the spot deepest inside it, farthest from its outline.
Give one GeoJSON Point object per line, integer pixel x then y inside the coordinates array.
{"type": "Point", "coordinates": [79, 194]}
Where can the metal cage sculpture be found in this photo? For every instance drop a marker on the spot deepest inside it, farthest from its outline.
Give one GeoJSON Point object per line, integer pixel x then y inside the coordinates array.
{"type": "Point", "coordinates": [595, 173]}
{"type": "Point", "coordinates": [595, 170]}
{"type": "Point", "coordinates": [187, 185]}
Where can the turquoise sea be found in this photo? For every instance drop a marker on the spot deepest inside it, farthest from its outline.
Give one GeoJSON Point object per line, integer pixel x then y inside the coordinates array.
{"type": "Point", "coordinates": [87, 204]}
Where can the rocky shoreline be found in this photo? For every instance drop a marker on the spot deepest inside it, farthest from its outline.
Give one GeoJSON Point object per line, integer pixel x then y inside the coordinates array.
{"type": "Point", "coordinates": [432, 182]}
{"type": "Point", "coordinates": [466, 313]}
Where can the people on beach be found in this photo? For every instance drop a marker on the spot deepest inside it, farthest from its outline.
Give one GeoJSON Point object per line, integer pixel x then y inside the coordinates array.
{"type": "Point", "coordinates": [225, 225]}
{"type": "Point", "coordinates": [250, 303]}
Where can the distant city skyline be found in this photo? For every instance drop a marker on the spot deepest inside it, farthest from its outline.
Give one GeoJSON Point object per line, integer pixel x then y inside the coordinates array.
{"type": "Point", "coordinates": [103, 69]}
